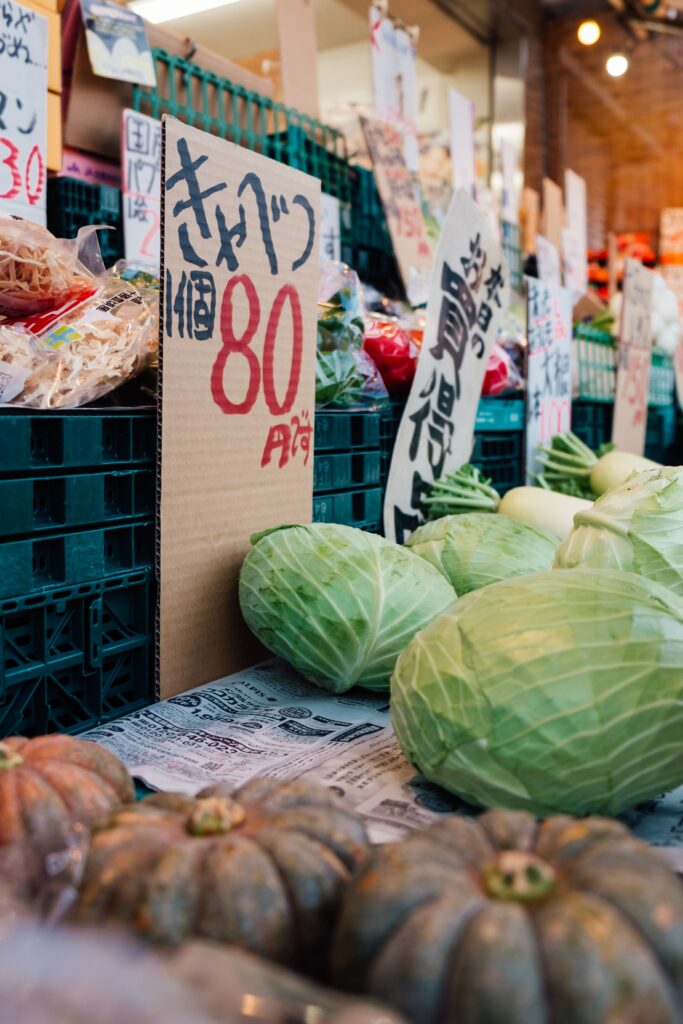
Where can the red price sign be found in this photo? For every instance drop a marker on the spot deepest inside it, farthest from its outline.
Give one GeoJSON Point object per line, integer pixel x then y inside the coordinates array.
{"type": "Point", "coordinates": [23, 112]}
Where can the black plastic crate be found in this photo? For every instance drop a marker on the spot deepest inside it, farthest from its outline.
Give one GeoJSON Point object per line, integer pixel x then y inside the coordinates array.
{"type": "Point", "coordinates": [661, 438]}
{"type": "Point", "coordinates": [42, 503]}
{"type": "Point", "coordinates": [343, 470]}
{"type": "Point", "coordinates": [31, 443]}
{"type": "Point", "coordinates": [73, 204]}
{"type": "Point", "coordinates": [361, 508]}
{"type": "Point", "coordinates": [73, 657]}
{"type": "Point", "coordinates": [338, 430]}
{"type": "Point", "coordinates": [34, 564]}
{"type": "Point", "coordinates": [592, 422]}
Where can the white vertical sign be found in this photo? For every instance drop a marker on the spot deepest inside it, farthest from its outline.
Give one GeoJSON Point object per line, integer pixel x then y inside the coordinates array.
{"type": "Point", "coordinates": [548, 261]}
{"type": "Point", "coordinates": [394, 78]}
{"type": "Point", "coordinates": [575, 236]}
{"type": "Point", "coordinates": [633, 359]}
{"type": "Point", "coordinates": [23, 112]}
{"type": "Point", "coordinates": [468, 296]}
{"type": "Point", "coordinates": [549, 367]}
{"type": "Point", "coordinates": [141, 172]}
{"type": "Point", "coordinates": [330, 228]}
{"type": "Point", "coordinates": [461, 130]}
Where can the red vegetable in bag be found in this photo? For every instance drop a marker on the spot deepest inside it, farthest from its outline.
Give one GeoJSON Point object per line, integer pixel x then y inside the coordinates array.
{"type": "Point", "coordinates": [394, 352]}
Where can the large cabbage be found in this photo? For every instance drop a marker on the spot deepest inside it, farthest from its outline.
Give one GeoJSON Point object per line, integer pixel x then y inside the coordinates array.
{"type": "Point", "coordinates": [337, 603]}
{"type": "Point", "coordinates": [557, 691]}
{"type": "Point", "coordinates": [637, 526]}
{"type": "Point", "coordinates": [478, 548]}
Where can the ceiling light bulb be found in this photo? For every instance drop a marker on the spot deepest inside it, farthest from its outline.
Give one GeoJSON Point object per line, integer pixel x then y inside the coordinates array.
{"type": "Point", "coordinates": [617, 65]}
{"type": "Point", "coordinates": [589, 32]}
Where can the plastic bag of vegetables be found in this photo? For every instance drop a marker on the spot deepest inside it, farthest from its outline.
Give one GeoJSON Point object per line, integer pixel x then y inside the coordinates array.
{"type": "Point", "coordinates": [556, 691]}
{"type": "Point", "coordinates": [339, 604]}
{"type": "Point", "coordinates": [475, 549]}
{"type": "Point", "coordinates": [637, 527]}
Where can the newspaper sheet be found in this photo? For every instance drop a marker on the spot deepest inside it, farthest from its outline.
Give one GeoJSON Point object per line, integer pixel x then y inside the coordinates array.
{"type": "Point", "coordinates": [267, 720]}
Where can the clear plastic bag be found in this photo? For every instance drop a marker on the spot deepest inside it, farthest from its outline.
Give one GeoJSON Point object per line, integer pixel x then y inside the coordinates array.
{"type": "Point", "coordinates": [73, 356]}
{"type": "Point", "coordinates": [39, 271]}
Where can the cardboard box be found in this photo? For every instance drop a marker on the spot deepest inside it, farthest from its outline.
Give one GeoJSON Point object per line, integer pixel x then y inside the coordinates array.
{"type": "Point", "coordinates": [54, 131]}
{"type": "Point", "coordinates": [95, 105]}
{"type": "Point", "coordinates": [54, 43]}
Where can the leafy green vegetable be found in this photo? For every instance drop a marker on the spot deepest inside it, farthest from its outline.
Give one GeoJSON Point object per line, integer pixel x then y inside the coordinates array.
{"type": "Point", "coordinates": [337, 603]}
{"type": "Point", "coordinates": [338, 380]}
{"type": "Point", "coordinates": [637, 527]}
{"type": "Point", "coordinates": [476, 549]}
{"type": "Point", "coordinates": [339, 325]}
{"type": "Point", "coordinates": [556, 691]}
{"type": "Point", "coordinates": [465, 490]}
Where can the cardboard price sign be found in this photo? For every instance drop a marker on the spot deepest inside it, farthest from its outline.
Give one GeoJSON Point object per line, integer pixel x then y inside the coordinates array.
{"type": "Point", "coordinates": [404, 215]}
{"type": "Point", "coordinates": [671, 231]}
{"type": "Point", "coordinates": [239, 278]}
{"type": "Point", "coordinates": [633, 359]}
{"type": "Point", "coordinates": [23, 112]}
{"type": "Point", "coordinates": [549, 367]}
{"type": "Point", "coordinates": [141, 149]}
{"type": "Point", "coordinates": [469, 294]}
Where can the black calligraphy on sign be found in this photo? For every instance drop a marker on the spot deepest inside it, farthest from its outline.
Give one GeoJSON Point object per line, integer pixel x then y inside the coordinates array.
{"type": "Point", "coordinates": [549, 370]}
{"type": "Point", "coordinates": [230, 216]}
{"type": "Point", "coordinates": [472, 292]}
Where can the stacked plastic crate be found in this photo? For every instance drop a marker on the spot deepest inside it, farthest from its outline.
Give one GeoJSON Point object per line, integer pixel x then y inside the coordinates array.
{"type": "Point", "coordinates": [348, 483]}
{"type": "Point", "coordinates": [77, 498]}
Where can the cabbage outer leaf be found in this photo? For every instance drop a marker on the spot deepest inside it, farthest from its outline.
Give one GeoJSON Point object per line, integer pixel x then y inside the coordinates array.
{"type": "Point", "coordinates": [555, 692]}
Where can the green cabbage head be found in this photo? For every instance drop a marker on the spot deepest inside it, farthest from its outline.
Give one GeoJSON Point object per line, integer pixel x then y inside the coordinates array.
{"type": "Point", "coordinates": [553, 692]}
{"type": "Point", "coordinates": [637, 526]}
{"type": "Point", "coordinates": [337, 603]}
{"type": "Point", "coordinates": [478, 548]}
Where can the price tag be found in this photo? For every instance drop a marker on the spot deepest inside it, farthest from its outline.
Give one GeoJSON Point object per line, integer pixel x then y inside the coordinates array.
{"type": "Point", "coordinates": [575, 236]}
{"type": "Point", "coordinates": [549, 367]}
{"type": "Point", "coordinates": [468, 297]}
{"type": "Point", "coordinates": [330, 228]}
{"type": "Point", "coordinates": [23, 112]}
{"type": "Point", "coordinates": [240, 278]}
{"type": "Point", "coordinates": [548, 261]}
{"type": "Point", "coordinates": [633, 359]}
{"type": "Point", "coordinates": [461, 130]}
{"type": "Point", "coordinates": [671, 231]}
{"type": "Point", "coordinates": [141, 148]}
{"type": "Point", "coordinates": [394, 71]}
{"type": "Point", "coordinates": [403, 212]}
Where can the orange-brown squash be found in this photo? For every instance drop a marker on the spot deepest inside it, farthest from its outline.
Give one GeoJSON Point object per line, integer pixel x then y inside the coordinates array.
{"type": "Point", "coordinates": [504, 921]}
{"type": "Point", "coordinates": [262, 868]}
{"type": "Point", "coordinates": [47, 786]}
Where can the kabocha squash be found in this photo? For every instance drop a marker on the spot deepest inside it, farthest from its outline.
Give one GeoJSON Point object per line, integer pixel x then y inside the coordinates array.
{"type": "Point", "coordinates": [47, 786]}
{"type": "Point", "coordinates": [503, 921]}
{"type": "Point", "coordinates": [262, 868]}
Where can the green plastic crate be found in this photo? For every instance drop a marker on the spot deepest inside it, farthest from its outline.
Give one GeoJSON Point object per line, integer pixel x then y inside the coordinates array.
{"type": "Point", "coordinates": [36, 442]}
{"type": "Point", "coordinates": [661, 434]}
{"type": "Point", "coordinates": [360, 508]}
{"type": "Point", "coordinates": [339, 430]}
{"type": "Point", "coordinates": [343, 470]}
{"type": "Point", "coordinates": [216, 105]}
{"type": "Point", "coordinates": [38, 504]}
{"type": "Point", "coordinates": [662, 380]}
{"type": "Point", "coordinates": [73, 204]}
{"type": "Point", "coordinates": [594, 365]}
{"type": "Point", "coordinates": [71, 658]}
{"type": "Point", "coordinates": [592, 422]}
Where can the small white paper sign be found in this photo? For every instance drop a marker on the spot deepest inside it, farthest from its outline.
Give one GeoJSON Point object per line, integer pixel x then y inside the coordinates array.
{"type": "Point", "coordinates": [330, 228]}
{"type": "Point", "coordinates": [549, 367]}
{"type": "Point", "coordinates": [574, 264]}
{"type": "Point", "coordinates": [548, 261]}
{"type": "Point", "coordinates": [394, 79]}
{"type": "Point", "coordinates": [461, 130]}
{"type": "Point", "coordinates": [671, 231]}
{"type": "Point", "coordinates": [633, 359]}
{"type": "Point", "coordinates": [23, 112]}
{"type": "Point", "coordinates": [141, 150]}
{"type": "Point", "coordinates": [576, 244]}
{"type": "Point", "coordinates": [468, 296]}
{"type": "Point", "coordinates": [508, 157]}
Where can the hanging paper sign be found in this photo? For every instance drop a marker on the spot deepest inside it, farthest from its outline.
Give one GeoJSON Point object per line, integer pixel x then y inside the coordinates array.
{"type": "Point", "coordinates": [671, 231]}
{"type": "Point", "coordinates": [141, 150]}
{"type": "Point", "coordinates": [508, 157]}
{"type": "Point", "coordinates": [394, 79]}
{"type": "Point", "coordinates": [240, 280]}
{"type": "Point", "coordinates": [468, 298]}
{"type": "Point", "coordinates": [117, 41]}
{"type": "Point", "coordinates": [574, 264]}
{"type": "Point", "coordinates": [23, 112]}
{"type": "Point", "coordinates": [461, 130]}
{"type": "Point", "coordinates": [577, 243]}
{"type": "Point", "coordinates": [549, 367]}
{"type": "Point", "coordinates": [633, 359]}
{"type": "Point", "coordinates": [403, 212]}
{"type": "Point", "coordinates": [548, 261]}
{"type": "Point", "coordinates": [552, 219]}
{"type": "Point", "coordinates": [330, 228]}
